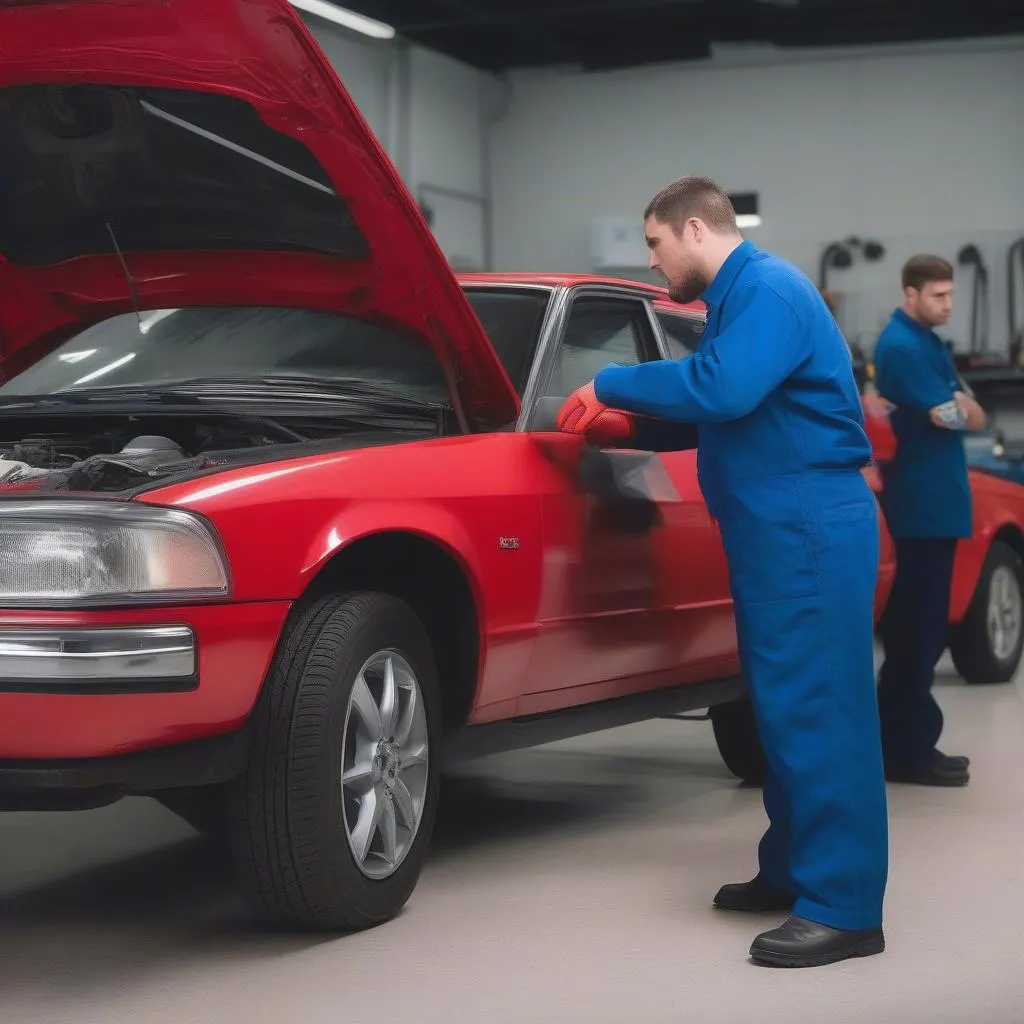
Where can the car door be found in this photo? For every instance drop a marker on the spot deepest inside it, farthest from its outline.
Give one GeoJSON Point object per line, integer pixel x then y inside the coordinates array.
{"type": "Point", "coordinates": [609, 624]}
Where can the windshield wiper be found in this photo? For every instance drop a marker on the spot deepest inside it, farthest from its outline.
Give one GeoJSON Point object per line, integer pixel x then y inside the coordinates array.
{"type": "Point", "coordinates": [100, 396]}
{"type": "Point", "coordinates": [301, 389]}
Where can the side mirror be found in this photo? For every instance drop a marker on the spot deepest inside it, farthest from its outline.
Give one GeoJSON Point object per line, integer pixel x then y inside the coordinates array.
{"type": "Point", "coordinates": [545, 414]}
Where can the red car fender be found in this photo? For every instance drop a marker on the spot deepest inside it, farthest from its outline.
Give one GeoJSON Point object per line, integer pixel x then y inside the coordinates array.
{"type": "Point", "coordinates": [423, 519]}
{"type": "Point", "coordinates": [998, 509]}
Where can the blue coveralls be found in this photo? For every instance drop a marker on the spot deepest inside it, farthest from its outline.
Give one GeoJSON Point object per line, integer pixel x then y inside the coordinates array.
{"type": "Point", "coordinates": [780, 452]}
{"type": "Point", "coordinates": [926, 496]}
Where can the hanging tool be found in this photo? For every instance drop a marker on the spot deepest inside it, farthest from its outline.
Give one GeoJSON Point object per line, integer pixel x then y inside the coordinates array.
{"type": "Point", "coordinates": [970, 256]}
{"type": "Point", "coordinates": [1015, 284]}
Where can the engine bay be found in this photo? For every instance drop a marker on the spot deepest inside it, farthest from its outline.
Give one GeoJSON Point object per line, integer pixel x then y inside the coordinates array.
{"type": "Point", "coordinates": [120, 452]}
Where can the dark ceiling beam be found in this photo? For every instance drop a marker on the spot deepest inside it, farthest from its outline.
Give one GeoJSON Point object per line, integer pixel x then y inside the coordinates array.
{"type": "Point", "coordinates": [555, 12]}
{"type": "Point", "coordinates": [499, 35]}
{"type": "Point", "coordinates": [526, 28]}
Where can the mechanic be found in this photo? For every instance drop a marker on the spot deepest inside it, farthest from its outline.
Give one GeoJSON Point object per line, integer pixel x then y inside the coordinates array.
{"type": "Point", "coordinates": [926, 498]}
{"type": "Point", "coordinates": [781, 446]}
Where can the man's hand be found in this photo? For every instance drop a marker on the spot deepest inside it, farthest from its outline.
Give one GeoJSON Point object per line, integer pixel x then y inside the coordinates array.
{"type": "Point", "coordinates": [961, 413]}
{"type": "Point", "coordinates": [974, 412]}
{"type": "Point", "coordinates": [583, 414]}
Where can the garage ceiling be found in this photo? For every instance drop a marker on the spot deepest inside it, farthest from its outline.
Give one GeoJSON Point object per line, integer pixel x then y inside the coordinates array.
{"type": "Point", "coordinates": [598, 34]}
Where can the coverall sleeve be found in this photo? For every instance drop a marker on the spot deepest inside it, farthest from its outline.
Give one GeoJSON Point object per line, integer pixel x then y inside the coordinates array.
{"type": "Point", "coordinates": [902, 378]}
{"type": "Point", "coordinates": [761, 346]}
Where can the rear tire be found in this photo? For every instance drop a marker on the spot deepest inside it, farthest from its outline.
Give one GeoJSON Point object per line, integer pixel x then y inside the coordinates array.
{"type": "Point", "coordinates": [309, 854]}
{"type": "Point", "coordinates": [738, 740]}
{"type": "Point", "coordinates": [986, 647]}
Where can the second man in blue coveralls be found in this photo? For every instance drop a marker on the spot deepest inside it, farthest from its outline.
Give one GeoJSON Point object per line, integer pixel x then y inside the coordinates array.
{"type": "Point", "coordinates": [781, 446]}
{"type": "Point", "coordinates": [927, 500]}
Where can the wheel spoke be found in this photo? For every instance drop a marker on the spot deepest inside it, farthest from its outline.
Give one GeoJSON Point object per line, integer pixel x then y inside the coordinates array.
{"type": "Point", "coordinates": [403, 804]}
{"type": "Point", "coordinates": [385, 754]}
{"type": "Point", "coordinates": [415, 758]}
{"type": "Point", "coordinates": [371, 808]}
{"type": "Point", "coordinates": [366, 708]}
{"type": "Point", "coordinates": [389, 700]}
{"type": "Point", "coordinates": [360, 776]}
{"type": "Point", "coordinates": [389, 831]}
{"type": "Point", "coordinates": [408, 720]}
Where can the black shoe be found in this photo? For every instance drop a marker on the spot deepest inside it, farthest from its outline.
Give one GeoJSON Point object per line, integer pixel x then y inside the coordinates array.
{"type": "Point", "coordinates": [800, 943]}
{"type": "Point", "coordinates": [754, 897]}
{"type": "Point", "coordinates": [938, 770]}
{"type": "Point", "coordinates": [953, 760]}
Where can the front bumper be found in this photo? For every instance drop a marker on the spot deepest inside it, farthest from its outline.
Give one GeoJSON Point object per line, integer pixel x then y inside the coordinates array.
{"type": "Point", "coordinates": [76, 784]}
{"type": "Point", "coordinates": [119, 659]}
{"type": "Point", "coordinates": [98, 685]}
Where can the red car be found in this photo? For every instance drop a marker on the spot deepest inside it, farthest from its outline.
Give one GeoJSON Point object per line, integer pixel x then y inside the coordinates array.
{"type": "Point", "coordinates": [283, 521]}
{"type": "Point", "coordinates": [986, 611]}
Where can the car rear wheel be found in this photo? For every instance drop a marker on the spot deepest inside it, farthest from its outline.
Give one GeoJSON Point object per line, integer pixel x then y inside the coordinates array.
{"type": "Point", "coordinates": [986, 647]}
{"type": "Point", "coordinates": [738, 740]}
{"type": "Point", "coordinates": [331, 824]}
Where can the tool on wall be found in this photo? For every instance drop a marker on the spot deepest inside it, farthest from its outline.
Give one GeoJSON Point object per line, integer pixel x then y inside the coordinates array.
{"type": "Point", "coordinates": [970, 256]}
{"type": "Point", "coordinates": [1015, 290]}
{"type": "Point", "coordinates": [840, 255]}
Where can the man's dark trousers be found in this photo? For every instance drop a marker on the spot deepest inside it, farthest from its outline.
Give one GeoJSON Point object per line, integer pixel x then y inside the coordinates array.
{"type": "Point", "coordinates": [915, 632]}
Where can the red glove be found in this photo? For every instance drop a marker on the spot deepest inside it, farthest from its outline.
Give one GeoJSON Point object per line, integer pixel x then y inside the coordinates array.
{"type": "Point", "coordinates": [583, 414]}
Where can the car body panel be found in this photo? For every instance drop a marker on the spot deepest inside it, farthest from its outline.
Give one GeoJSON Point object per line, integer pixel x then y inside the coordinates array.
{"type": "Point", "coordinates": [235, 644]}
{"type": "Point", "coordinates": [259, 52]}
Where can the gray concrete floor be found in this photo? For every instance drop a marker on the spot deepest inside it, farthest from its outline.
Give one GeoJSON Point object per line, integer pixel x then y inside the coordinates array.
{"type": "Point", "coordinates": [580, 892]}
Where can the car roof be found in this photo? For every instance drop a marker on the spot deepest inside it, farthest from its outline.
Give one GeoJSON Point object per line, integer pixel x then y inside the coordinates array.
{"type": "Point", "coordinates": [551, 280]}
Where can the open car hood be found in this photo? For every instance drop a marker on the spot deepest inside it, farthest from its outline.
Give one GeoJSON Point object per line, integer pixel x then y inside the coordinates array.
{"type": "Point", "coordinates": [214, 142]}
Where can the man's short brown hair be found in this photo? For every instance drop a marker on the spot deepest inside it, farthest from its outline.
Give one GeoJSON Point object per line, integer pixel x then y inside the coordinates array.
{"type": "Point", "coordinates": [693, 196]}
{"type": "Point", "coordinates": [926, 269]}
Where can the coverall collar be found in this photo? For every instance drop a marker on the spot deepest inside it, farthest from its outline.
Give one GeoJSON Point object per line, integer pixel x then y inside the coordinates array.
{"type": "Point", "coordinates": [918, 328]}
{"type": "Point", "coordinates": [715, 293]}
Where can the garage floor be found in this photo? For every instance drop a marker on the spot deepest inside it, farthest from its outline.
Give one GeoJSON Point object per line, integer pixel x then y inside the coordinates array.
{"type": "Point", "coordinates": [569, 883]}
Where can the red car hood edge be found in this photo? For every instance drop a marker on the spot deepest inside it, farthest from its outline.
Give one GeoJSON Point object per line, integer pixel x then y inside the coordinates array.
{"type": "Point", "coordinates": [262, 52]}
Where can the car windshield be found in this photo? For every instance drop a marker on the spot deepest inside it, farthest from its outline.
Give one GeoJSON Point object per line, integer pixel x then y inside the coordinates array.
{"type": "Point", "coordinates": [164, 346]}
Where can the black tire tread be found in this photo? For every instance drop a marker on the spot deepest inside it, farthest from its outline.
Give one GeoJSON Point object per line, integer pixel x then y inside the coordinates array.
{"type": "Point", "coordinates": [969, 645]}
{"type": "Point", "coordinates": [739, 744]}
{"type": "Point", "coordinates": [279, 863]}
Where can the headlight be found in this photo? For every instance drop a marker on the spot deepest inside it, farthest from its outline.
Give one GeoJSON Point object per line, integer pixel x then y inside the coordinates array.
{"type": "Point", "coordinates": [74, 554]}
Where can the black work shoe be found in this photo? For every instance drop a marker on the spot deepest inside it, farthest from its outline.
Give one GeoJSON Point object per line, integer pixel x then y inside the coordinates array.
{"type": "Point", "coordinates": [800, 943]}
{"type": "Point", "coordinates": [938, 770]}
{"type": "Point", "coordinates": [953, 760]}
{"type": "Point", "coordinates": [754, 897]}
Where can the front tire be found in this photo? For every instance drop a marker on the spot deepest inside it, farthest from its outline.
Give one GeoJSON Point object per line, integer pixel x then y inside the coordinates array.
{"type": "Point", "coordinates": [986, 647]}
{"type": "Point", "coordinates": [738, 740]}
{"type": "Point", "coordinates": [332, 821]}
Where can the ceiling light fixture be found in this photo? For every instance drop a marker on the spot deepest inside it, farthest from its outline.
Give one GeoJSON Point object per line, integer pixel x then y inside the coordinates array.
{"type": "Point", "coordinates": [346, 18]}
{"type": "Point", "coordinates": [745, 206]}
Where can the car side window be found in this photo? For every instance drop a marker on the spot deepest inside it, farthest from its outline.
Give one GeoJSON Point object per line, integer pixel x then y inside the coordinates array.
{"type": "Point", "coordinates": [683, 333]}
{"type": "Point", "coordinates": [599, 331]}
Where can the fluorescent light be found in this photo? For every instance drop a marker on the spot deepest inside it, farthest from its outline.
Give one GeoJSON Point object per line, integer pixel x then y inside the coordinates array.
{"type": "Point", "coordinates": [77, 357]}
{"type": "Point", "coordinates": [104, 369]}
{"type": "Point", "coordinates": [348, 19]}
{"type": "Point", "coordinates": [748, 220]}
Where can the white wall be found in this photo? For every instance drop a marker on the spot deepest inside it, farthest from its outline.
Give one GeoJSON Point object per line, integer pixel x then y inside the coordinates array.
{"type": "Point", "coordinates": [426, 110]}
{"type": "Point", "coordinates": [446, 152]}
{"type": "Point", "coordinates": [920, 147]}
